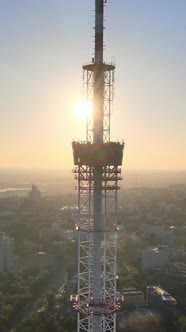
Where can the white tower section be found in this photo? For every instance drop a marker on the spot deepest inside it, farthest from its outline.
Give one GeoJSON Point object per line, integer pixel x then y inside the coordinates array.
{"type": "Point", "coordinates": [97, 171]}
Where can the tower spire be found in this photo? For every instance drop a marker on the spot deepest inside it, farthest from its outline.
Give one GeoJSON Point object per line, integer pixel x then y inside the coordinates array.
{"type": "Point", "coordinates": [99, 18]}
{"type": "Point", "coordinates": [97, 172]}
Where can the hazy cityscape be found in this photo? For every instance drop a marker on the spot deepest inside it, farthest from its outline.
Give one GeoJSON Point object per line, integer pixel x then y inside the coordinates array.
{"type": "Point", "coordinates": [54, 181]}
{"type": "Point", "coordinates": [38, 250]}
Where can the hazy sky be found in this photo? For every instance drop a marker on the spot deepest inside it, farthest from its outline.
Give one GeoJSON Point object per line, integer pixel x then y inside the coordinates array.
{"type": "Point", "coordinates": [43, 46]}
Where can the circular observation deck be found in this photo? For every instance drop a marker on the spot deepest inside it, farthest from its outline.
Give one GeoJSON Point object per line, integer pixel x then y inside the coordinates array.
{"type": "Point", "coordinates": [104, 66]}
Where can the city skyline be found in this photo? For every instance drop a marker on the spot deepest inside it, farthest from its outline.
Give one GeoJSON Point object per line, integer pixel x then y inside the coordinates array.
{"type": "Point", "coordinates": [43, 49]}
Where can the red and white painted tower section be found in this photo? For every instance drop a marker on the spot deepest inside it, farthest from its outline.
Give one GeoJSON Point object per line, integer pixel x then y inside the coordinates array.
{"type": "Point", "coordinates": [97, 171]}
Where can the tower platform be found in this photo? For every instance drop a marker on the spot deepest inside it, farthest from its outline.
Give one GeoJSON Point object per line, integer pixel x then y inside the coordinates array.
{"type": "Point", "coordinates": [94, 154]}
{"type": "Point", "coordinates": [104, 66]}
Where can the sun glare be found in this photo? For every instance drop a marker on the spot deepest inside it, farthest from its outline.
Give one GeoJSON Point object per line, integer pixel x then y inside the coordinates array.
{"type": "Point", "coordinates": [83, 109]}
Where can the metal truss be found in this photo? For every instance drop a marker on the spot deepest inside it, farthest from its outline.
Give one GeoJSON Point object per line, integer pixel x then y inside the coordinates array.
{"type": "Point", "coordinates": [109, 304]}
{"type": "Point", "coordinates": [97, 300]}
{"type": "Point", "coordinates": [88, 80]}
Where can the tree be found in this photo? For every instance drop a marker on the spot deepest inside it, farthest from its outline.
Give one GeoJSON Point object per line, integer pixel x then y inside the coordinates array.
{"type": "Point", "coordinates": [51, 301]}
{"type": "Point", "coordinates": [69, 324]}
{"type": "Point", "coordinates": [182, 322]}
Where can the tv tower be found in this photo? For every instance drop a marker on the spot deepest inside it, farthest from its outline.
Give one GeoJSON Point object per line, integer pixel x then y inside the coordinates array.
{"type": "Point", "coordinates": [97, 171]}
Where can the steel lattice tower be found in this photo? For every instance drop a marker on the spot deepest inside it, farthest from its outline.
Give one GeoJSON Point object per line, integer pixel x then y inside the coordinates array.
{"type": "Point", "coordinates": [97, 172]}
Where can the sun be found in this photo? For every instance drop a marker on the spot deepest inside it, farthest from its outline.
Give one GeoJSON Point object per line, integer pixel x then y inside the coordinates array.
{"type": "Point", "coordinates": [83, 109]}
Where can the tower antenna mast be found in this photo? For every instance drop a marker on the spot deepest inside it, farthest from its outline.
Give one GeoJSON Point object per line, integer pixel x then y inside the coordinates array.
{"type": "Point", "coordinates": [97, 171]}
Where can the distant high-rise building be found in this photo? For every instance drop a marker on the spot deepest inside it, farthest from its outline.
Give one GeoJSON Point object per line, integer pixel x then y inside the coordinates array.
{"type": "Point", "coordinates": [35, 194]}
{"type": "Point", "coordinates": [153, 257]}
{"type": "Point", "coordinates": [1, 251]}
{"type": "Point", "coordinates": [6, 252]}
{"type": "Point", "coordinates": [19, 235]}
{"type": "Point", "coordinates": [160, 299]}
{"type": "Point", "coordinates": [133, 297]}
